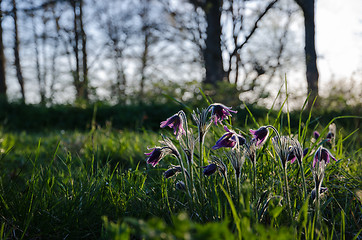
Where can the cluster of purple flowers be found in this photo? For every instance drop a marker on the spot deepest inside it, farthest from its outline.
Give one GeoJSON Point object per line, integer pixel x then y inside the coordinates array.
{"type": "Point", "coordinates": [286, 148]}
{"type": "Point", "coordinates": [219, 112]}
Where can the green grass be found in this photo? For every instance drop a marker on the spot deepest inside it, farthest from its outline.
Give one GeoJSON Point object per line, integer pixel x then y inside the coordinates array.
{"type": "Point", "coordinates": [96, 184]}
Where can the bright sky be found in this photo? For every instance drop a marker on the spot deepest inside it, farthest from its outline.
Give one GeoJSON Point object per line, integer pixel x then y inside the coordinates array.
{"type": "Point", "coordinates": [339, 38]}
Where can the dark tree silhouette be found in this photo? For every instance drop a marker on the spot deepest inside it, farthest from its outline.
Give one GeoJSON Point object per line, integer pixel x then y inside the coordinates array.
{"type": "Point", "coordinates": [212, 53]}
{"type": "Point", "coordinates": [2, 60]}
{"type": "Point", "coordinates": [19, 73]}
{"type": "Point", "coordinates": [312, 74]}
{"type": "Point", "coordinates": [80, 74]}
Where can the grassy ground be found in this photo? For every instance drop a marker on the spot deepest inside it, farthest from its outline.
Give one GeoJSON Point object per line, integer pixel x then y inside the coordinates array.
{"type": "Point", "coordinates": [96, 184]}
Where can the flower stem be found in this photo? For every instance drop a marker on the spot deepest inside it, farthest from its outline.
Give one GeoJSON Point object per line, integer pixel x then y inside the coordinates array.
{"type": "Point", "coordinates": [317, 205]}
{"type": "Point", "coordinates": [254, 179]}
{"type": "Point", "coordinates": [184, 175]}
{"type": "Point", "coordinates": [303, 179]}
{"type": "Point", "coordinates": [201, 164]}
{"type": "Point", "coordinates": [238, 190]}
{"type": "Point", "coordinates": [286, 190]}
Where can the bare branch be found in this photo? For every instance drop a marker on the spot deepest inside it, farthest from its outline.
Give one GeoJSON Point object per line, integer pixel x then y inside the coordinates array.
{"type": "Point", "coordinates": [271, 4]}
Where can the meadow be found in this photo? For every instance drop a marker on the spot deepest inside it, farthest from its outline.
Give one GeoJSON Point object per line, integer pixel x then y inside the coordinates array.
{"type": "Point", "coordinates": [96, 183]}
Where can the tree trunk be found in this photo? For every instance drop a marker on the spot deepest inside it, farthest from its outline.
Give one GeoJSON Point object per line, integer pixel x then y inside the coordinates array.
{"type": "Point", "coordinates": [312, 74]}
{"type": "Point", "coordinates": [144, 63]}
{"type": "Point", "coordinates": [80, 74]}
{"type": "Point", "coordinates": [2, 62]}
{"type": "Point", "coordinates": [37, 61]}
{"type": "Point", "coordinates": [84, 54]}
{"type": "Point", "coordinates": [212, 53]}
{"type": "Point", "coordinates": [16, 53]}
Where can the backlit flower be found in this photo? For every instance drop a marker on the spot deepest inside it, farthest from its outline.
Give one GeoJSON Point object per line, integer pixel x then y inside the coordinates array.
{"type": "Point", "coordinates": [172, 171]}
{"type": "Point", "coordinates": [158, 153]}
{"type": "Point", "coordinates": [175, 122]}
{"type": "Point", "coordinates": [154, 156]}
{"type": "Point", "coordinates": [282, 146]}
{"type": "Point", "coordinates": [229, 139]}
{"type": "Point", "coordinates": [260, 135]}
{"type": "Point", "coordinates": [210, 169]}
{"type": "Point", "coordinates": [220, 112]}
{"type": "Point", "coordinates": [297, 152]}
{"type": "Point", "coordinates": [180, 185]}
{"type": "Point", "coordinates": [329, 136]}
{"type": "Point", "coordinates": [316, 134]}
{"type": "Point", "coordinates": [322, 154]}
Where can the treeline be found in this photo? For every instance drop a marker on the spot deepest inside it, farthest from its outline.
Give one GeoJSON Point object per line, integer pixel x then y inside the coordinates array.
{"type": "Point", "coordinates": [89, 50]}
{"type": "Point", "coordinates": [19, 117]}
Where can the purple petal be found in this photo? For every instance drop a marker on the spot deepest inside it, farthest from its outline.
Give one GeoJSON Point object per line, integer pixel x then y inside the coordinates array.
{"type": "Point", "coordinates": [316, 134]}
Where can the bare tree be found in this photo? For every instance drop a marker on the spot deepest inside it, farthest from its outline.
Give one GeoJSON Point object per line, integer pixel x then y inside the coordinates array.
{"type": "Point", "coordinates": [240, 37]}
{"type": "Point", "coordinates": [19, 73]}
{"type": "Point", "coordinates": [41, 71]}
{"type": "Point", "coordinates": [116, 21]}
{"type": "Point", "coordinates": [212, 52]}
{"type": "Point", "coordinates": [312, 74]}
{"type": "Point", "coordinates": [2, 61]}
{"type": "Point", "coordinates": [80, 74]}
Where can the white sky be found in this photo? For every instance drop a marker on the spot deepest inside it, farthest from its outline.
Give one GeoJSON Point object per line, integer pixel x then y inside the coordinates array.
{"type": "Point", "coordinates": [339, 38]}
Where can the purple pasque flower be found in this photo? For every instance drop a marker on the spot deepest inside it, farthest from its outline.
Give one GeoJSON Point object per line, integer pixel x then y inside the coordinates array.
{"type": "Point", "coordinates": [260, 135]}
{"type": "Point", "coordinates": [180, 185]}
{"type": "Point", "coordinates": [296, 152]}
{"type": "Point", "coordinates": [329, 136]}
{"type": "Point", "coordinates": [157, 154]}
{"type": "Point", "coordinates": [175, 122]}
{"type": "Point", "coordinates": [292, 157]}
{"type": "Point", "coordinates": [322, 154]}
{"type": "Point", "coordinates": [210, 169]}
{"type": "Point", "coordinates": [316, 135]}
{"type": "Point", "coordinates": [220, 112]}
{"type": "Point", "coordinates": [172, 171]}
{"type": "Point", "coordinates": [154, 156]}
{"type": "Point", "coordinates": [229, 139]}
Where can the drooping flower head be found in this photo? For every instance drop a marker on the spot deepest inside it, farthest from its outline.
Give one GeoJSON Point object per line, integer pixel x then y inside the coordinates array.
{"type": "Point", "coordinates": [250, 151]}
{"type": "Point", "coordinates": [220, 112]}
{"type": "Point", "coordinates": [176, 122]}
{"type": "Point", "coordinates": [237, 159]}
{"type": "Point", "coordinates": [180, 185]}
{"type": "Point", "coordinates": [157, 153]}
{"type": "Point", "coordinates": [331, 136]}
{"type": "Point", "coordinates": [172, 171]}
{"type": "Point", "coordinates": [316, 135]}
{"type": "Point", "coordinates": [283, 147]}
{"type": "Point", "coordinates": [230, 139]}
{"type": "Point", "coordinates": [260, 135]}
{"type": "Point", "coordinates": [291, 156]}
{"type": "Point", "coordinates": [297, 152]}
{"type": "Point", "coordinates": [210, 169]}
{"type": "Point", "coordinates": [155, 156]}
{"type": "Point", "coordinates": [322, 154]}
{"type": "Point", "coordinates": [202, 121]}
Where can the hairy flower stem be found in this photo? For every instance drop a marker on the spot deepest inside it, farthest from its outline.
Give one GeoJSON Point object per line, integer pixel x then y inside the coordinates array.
{"type": "Point", "coordinates": [184, 176]}
{"type": "Point", "coordinates": [192, 180]}
{"type": "Point", "coordinates": [238, 190]}
{"type": "Point", "coordinates": [286, 191]}
{"type": "Point", "coordinates": [254, 179]}
{"type": "Point", "coordinates": [201, 164]}
{"type": "Point", "coordinates": [317, 207]}
{"type": "Point", "coordinates": [303, 179]}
